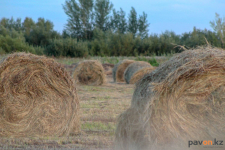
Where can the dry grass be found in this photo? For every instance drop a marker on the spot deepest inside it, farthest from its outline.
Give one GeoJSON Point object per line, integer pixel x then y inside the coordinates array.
{"type": "Point", "coordinates": [89, 72]}
{"type": "Point", "coordinates": [37, 97]}
{"type": "Point", "coordinates": [181, 100]}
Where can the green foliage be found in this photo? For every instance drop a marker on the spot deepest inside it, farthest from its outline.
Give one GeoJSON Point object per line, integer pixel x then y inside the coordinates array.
{"type": "Point", "coordinates": [152, 60]}
{"type": "Point", "coordinates": [80, 22]}
{"type": "Point", "coordinates": [118, 21]}
{"type": "Point", "coordinates": [111, 60]}
{"type": "Point", "coordinates": [121, 44]}
{"type": "Point", "coordinates": [12, 24]}
{"type": "Point", "coordinates": [10, 45]}
{"type": "Point", "coordinates": [197, 38]}
{"type": "Point", "coordinates": [133, 22]}
{"type": "Point", "coordinates": [102, 11]}
{"type": "Point", "coordinates": [40, 33]}
{"type": "Point", "coordinates": [13, 41]}
{"type": "Point", "coordinates": [143, 26]}
{"type": "Point", "coordinates": [39, 50]}
{"type": "Point", "coordinates": [2, 52]}
{"type": "Point", "coordinates": [96, 39]}
{"type": "Point", "coordinates": [219, 27]}
{"type": "Point", "coordinates": [66, 47]}
{"type": "Point", "coordinates": [28, 25]}
{"type": "Point", "coordinates": [98, 126]}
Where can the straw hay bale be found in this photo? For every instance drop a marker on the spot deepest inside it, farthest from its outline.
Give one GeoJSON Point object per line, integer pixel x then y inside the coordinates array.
{"type": "Point", "coordinates": [134, 67]}
{"type": "Point", "coordinates": [181, 100]}
{"type": "Point", "coordinates": [116, 66]}
{"type": "Point", "coordinates": [120, 68]}
{"type": "Point", "coordinates": [140, 74]}
{"type": "Point", "coordinates": [89, 72]}
{"type": "Point", "coordinates": [37, 97]}
{"type": "Point", "coordinates": [108, 68]}
{"type": "Point", "coordinates": [114, 70]}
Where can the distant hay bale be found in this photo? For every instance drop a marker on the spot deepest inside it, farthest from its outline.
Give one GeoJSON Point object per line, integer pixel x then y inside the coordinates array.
{"type": "Point", "coordinates": [134, 67]}
{"type": "Point", "coordinates": [140, 74]}
{"type": "Point", "coordinates": [37, 97]}
{"type": "Point", "coordinates": [114, 70]}
{"type": "Point", "coordinates": [116, 66]}
{"type": "Point", "coordinates": [108, 68]}
{"type": "Point", "coordinates": [119, 69]}
{"type": "Point", "coordinates": [181, 100]}
{"type": "Point", "coordinates": [89, 72]}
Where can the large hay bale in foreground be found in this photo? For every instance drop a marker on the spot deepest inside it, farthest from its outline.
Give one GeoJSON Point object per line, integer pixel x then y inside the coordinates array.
{"type": "Point", "coordinates": [134, 67]}
{"type": "Point", "coordinates": [37, 97]}
{"type": "Point", "coordinates": [140, 74]}
{"type": "Point", "coordinates": [120, 68]}
{"type": "Point", "coordinates": [181, 101]}
{"type": "Point", "coordinates": [89, 72]}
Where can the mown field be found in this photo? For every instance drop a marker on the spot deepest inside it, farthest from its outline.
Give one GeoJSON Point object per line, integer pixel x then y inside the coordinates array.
{"type": "Point", "coordinates": [100, 107]}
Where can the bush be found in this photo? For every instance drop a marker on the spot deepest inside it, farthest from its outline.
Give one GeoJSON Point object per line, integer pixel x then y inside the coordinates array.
{"type": "Point", "coordinates": [10, 45]}
{"type": "Point", "coordinates": [152, 61]}
{"type": "Point", "coordinates": [67, 47]}
{"type": "Point", "coordinates": [14, 41]}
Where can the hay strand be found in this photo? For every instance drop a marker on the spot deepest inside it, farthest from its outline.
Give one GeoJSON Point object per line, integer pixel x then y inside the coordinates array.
{"type": "Point", "coordinates": [37, 97]}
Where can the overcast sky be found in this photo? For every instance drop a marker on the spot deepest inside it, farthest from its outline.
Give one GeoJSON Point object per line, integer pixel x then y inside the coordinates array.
{"type": "Point", "coordinates": [174, 15]}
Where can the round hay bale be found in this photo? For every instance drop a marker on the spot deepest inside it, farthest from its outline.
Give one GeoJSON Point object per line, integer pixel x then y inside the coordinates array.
{"type": "Point", "coordinates": [134, 67]}
{"type": "Point", "coordinates": [108, 68]}
{"type": "Point", "coordinates": [181, 101]}
{"type": "Point", "coordinates": [116, 66]}
{"type": "Point", "coordinates": [114, 70]}
{"type": "Point", "coordinates": [37, 97]}
{"type": "Point", "coordinates": [89, 72]}
{"type": "Point", "coordinates": [140, 74]}
{"type": "Point", "coordinates": [120, 68]}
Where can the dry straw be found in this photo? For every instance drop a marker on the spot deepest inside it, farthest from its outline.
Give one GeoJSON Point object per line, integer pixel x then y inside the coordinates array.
{"type": "Point", "coordinates": [37, 97]}
{"type": "Point", "coordinates": [140, 74]}
{"type": "Point", "coordinates": [181, 100]}
{"type": "Point", "coordinates": [134, 67]}
{"type": "Point", "coordinates": [120, 68]}
{"type": "Point", "coordinates": [89, 72]}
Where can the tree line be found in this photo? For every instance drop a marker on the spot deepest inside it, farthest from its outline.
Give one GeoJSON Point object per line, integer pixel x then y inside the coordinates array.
{"type": "Point", "coordinates": [84, 16]}
{"type": "Point", "coordinates": [95, 28]}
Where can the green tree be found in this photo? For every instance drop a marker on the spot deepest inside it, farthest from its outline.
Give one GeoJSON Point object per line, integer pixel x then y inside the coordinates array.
{"type": "Point", "coordinates": [118, 21]}
{"type": "Point", "coordinates": [133, 22]}
{"type": "Point", "coordinates": [143, 25]}
{"type": "Point", "coordinates": [218, 26]}
{"type": "Point", "coordinates": [80, 17]}
{"type": "Point", "coordinates": [122, 25]}
{"type": "Point", "coordinates": [12, 24]}
{"type": "Point", "coordinates": [28, 25]}
{"type": "Point", "coordinates": [114, 20]}
{"type": "Point", "coordinates": [102, 11]}
{"type": "Point", "coordinates": [42, 32]}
